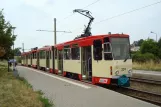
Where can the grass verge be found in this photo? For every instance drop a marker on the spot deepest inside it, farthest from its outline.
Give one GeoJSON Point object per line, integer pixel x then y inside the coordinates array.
{"type": "Point", "coordinates": [17, 92]}
{"type": "Point", "coordinates": [151, 65]}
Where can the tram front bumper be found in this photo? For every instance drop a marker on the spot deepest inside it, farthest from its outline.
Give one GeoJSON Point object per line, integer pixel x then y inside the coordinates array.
{"type": "Point", "coordinates": [123, 80]}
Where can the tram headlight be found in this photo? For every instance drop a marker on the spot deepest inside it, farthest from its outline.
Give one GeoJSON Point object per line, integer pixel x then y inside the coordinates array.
{"type": "Point", "coordinates": [117, 72]}
{"type": "Point", "coordinates": [130, 71]}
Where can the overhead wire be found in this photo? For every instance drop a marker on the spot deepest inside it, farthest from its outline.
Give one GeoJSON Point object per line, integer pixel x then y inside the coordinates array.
{"type": "Point", "coordinates": [128, 12]}
{"type": "Point", "coordinates": [82, 8]}
{"type": "Point", "coordinates": [123, 13]}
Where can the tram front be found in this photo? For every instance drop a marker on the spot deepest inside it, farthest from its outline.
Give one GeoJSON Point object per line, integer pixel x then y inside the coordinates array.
{"type": "Point", "coordinates": [112, 61]}
{"type": "Point", "coordinates": [122, 62]}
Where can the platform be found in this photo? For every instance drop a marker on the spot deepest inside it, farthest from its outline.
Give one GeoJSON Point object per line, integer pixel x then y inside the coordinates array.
{"type": "Point", "coordinates": [66, 92]}
{"type": "Point", "coordinates": [154, 75]}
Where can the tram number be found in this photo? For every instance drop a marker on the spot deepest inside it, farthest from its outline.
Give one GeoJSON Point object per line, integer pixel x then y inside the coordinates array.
{"type": "Point", "coordinates": [103, 80]}
{"type": "Point", "coordinates": [123, 69]}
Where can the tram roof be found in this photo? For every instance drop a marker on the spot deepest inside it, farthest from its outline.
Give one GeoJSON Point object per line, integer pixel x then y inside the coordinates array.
{"type": "Point", "coordinates": [87, 41]}
{"type": "Point", "coordinates": [46, 48]}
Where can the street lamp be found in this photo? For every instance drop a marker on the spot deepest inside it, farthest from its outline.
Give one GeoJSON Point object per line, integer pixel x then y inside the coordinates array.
{"type": "Point", "coordinates": [13, 28]}
{"type": "Point", "coordinates": [156, 35]}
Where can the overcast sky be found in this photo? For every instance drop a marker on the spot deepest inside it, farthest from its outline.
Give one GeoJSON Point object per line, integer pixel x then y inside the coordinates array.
{"type": "Point", "coordinates": [31, 15]}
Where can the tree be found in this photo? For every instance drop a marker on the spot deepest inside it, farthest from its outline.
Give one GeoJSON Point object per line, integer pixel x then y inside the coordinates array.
{"type": "Point", "coordinates": [149, 46]}
{"type": "Point", "coordinates": [159, 45]}
{"type": "Point", "coordinates": [17, 52]}
{"type": "Point", "coordinates": [6, 37]}
{"type": "Point", "coordinates": [2, 51]}
{"type": "Point", "coordinates": [140, 42]}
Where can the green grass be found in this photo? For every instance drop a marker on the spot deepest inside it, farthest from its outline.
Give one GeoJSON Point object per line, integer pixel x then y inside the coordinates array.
{"type": "Point", "coordinates": [150, 66]}
{"type": "Point", "coordinates": [17, 92]}
{"type": "Point", "coordinates": [46, 102]}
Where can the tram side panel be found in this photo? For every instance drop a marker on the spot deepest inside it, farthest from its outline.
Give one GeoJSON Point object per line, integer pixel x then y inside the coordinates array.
{"type": "Point", "coordinates": [101, 72]}
{"type": "Point", "coordinates": [26, 60]}
{"type": "Point", "coordinates": [56, 61]}
{"type": "Point", "coordinates": [34, 59]}
{"type": "Point", "coordinates": [71, 62]}
{"type": "Point", "coordinates": [29, 60]}
{"type": "Point", "coordinates": [22, 59]}
{"type": "Point", "coordinates": [51, 61]}
{"type": "Point", "coordinates": [42, 60]}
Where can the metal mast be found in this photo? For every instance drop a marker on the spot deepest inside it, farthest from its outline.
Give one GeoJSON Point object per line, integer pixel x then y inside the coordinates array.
{"type": "Point", "coordinates": [87, 30]}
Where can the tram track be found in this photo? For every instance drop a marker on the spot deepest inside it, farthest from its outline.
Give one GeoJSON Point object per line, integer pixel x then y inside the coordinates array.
{"type": "Point", "coordinates": [150, 97]}
{"type": "Point", "coordinates": [142, 93]}
{"type": "Point", "coordinates": [137, 91]}
{"type": "Point", "coordinates": [147, 81]}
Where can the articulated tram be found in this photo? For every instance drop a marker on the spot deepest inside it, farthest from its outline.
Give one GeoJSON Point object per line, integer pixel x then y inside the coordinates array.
{"type": "Point", "coordinates": [100, 59]}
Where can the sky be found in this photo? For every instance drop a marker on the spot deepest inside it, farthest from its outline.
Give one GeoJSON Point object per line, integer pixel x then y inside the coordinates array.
{"type": "Point", "coordinates": [31, 15]}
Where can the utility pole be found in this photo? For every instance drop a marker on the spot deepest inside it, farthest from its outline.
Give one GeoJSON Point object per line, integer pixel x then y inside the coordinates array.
{"type": "Point", "coordinates": [13, 28]}
{"type": "Point", "coordinates": [23, 47]}
{"type": "Point", "coordinates": [55, 31]}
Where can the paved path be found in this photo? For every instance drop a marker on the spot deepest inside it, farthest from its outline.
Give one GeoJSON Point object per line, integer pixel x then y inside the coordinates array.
{"type": "Point", "coordinates": [70, 93]}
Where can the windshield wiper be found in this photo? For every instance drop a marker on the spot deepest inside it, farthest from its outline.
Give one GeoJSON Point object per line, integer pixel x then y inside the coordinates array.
{"type": "Point", "coordinates": [126, 58]}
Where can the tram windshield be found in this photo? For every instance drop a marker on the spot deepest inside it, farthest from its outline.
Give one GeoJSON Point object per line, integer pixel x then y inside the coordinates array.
{"type": "Point", "coordinates": [120, 48]}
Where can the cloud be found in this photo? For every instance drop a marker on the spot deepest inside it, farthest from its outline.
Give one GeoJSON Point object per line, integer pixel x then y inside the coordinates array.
{"type": "Point", "coordinates": [50, 2]}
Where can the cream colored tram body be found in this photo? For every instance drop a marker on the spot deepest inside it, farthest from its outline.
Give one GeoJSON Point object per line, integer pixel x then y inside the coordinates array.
{"type": "Point", "coordinates": [45, 58]}
{"type": "Point", "coordinates": [101, 59]}
{"type": "Point", "coordinates": [34, 58]}
{"type": "Point", "coordinates": [23, 59]}
{"type": "Point", "coordinates": [26, 59]}
{"type": "Point", "coordinates": [29, 59]}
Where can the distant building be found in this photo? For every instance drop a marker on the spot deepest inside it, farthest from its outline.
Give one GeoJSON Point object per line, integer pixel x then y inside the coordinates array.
{"type": "Point", "coordinates": [135, 48]}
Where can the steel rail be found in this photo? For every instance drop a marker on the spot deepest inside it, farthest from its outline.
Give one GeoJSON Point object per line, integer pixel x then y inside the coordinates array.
{"type": "Point", "coordinates": [149, 81]}
{"type": "Point", "coordinates": [143, 93]}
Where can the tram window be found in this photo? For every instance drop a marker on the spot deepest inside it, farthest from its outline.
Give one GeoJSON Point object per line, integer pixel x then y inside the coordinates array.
{"type": "Point", "coordinates": [75, 53]}
{"type": "Point", "coordinates": [97, 49]}
{"type": "Point", "coordinates": [107, 51]}
{"type": "Point", "coordinates": [35, 55]}
{"type": "Point", "coordinates": [42, 54]}
{"type": "Point", "coordinates": [55, 53]}
{"type": "Point", "coordinates": [106, 39]}
{"type": "Point", "coordinates": [107, 47]}
{"type": "Point", "coordinates": [49, 54]}
{"type": "Point", "coordinates": [67, 53]}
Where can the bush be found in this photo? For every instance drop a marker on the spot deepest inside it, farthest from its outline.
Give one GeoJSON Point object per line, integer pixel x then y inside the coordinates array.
{"type": "Point", "coordinates": [149, 46]}
{"type": "Point", "coordinates": [138, 57]}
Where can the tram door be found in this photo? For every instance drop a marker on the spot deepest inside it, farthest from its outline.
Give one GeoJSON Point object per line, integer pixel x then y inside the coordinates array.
{"type": "Point", "coordinates": [47, 59]}
{"type": "Point", "coordinates": [60, 61]}
{"type": "Point", "coordinates": [86, 63]}
{"type": "Point", "coordinates": [38, 59]}
{"type": "Point", "coordinates": [31, 56]}
{"type": "Point", "coordinates": [27, 60]}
